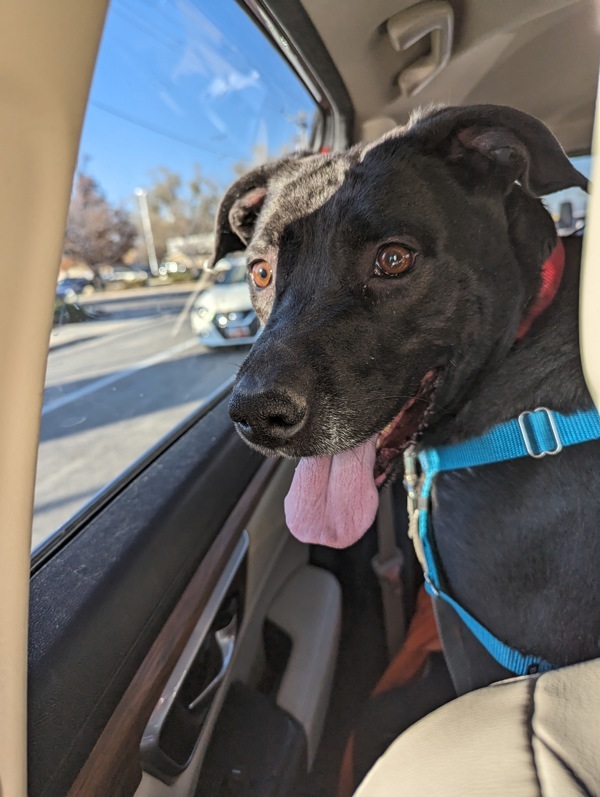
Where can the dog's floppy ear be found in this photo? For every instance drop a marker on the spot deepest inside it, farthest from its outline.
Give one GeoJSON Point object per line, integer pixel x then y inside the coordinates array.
{"type": "Point", "coordinates": [240, 207]}
{"type": "Point", "coordinates": [501, 143]}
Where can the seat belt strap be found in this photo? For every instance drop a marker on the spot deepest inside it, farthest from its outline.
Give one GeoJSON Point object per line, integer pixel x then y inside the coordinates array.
{"type": "Point", "coordinates": [388, 565]}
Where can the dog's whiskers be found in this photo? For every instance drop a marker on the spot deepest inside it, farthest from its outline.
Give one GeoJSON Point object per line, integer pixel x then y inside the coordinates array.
{"type": "Point", "coordinates": [416, 398]}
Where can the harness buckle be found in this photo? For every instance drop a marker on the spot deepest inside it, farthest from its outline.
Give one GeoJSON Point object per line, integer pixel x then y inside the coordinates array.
{"type": "Point", "coordinates": [411, 479]}
{"type": "Point", "coordinates": [530, 439]}
{"type": "Point", "coordinates": [412, 484]}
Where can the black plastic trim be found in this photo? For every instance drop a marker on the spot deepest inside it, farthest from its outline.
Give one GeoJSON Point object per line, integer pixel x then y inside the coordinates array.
{"type": "Point", "coordinates": [97, 604]}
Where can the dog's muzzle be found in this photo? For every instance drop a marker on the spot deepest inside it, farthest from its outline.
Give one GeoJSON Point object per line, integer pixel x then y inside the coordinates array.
{"type": "Point", "coordinates": [267, 417]}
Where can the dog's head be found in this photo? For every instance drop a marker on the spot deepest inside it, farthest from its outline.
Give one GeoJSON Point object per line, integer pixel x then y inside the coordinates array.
{"type": "Point", "coordinates": [389, 276]}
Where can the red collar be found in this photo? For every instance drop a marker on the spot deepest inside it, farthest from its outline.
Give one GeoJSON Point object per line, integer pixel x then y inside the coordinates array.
{"type": "Point", "coordinates": [552, 272]}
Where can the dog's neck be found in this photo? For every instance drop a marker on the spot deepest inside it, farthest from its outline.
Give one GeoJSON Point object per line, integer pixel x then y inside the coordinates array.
{"type": "Point", "coordinates": [550, 279]}
{"type": "Point", "coordinates": [542, 369]}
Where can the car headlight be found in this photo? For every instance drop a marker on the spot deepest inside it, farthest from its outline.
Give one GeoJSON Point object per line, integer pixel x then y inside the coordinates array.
{"type": "Point", "coordinates": [203, 312]}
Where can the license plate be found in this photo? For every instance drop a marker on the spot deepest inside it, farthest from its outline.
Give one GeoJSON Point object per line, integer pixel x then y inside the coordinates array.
{"type": "Point", "coordinates": [238, 332]}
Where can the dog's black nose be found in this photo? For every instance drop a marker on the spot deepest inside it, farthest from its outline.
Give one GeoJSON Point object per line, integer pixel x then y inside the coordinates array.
{"type": "Point", "coordinates": [268, 417]}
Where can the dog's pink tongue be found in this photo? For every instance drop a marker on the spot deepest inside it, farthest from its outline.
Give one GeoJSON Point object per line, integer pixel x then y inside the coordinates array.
{"type": "Point", "coordinates": [333, 500]}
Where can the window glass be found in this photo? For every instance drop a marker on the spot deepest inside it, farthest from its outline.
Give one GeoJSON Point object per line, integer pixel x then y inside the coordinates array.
{"type": "Point", "coordinates": [569, 207]}
{"type": "Point", "coordinates": [187, 95]}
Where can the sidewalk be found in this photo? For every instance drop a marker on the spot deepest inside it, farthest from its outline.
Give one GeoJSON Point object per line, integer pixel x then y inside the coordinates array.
{"type": "Point", "coordinates": [69, 334]}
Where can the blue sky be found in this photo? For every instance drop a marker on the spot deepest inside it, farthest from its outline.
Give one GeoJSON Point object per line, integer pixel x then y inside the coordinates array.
{"type": "Point", "coordinates": [180, 82]}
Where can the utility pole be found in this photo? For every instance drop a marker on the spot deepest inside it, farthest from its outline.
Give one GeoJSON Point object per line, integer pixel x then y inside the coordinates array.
{"type": "Point", "coordinates": [147, 227]}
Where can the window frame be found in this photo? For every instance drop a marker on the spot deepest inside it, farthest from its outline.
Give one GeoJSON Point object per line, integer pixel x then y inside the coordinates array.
{"type": "Point", "coordinates": [310, 60]}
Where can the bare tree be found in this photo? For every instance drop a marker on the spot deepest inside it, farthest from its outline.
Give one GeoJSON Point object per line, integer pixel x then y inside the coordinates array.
{"type": "Point", "coordinates": [179, 208]}
{"type": "Point", "coordinates": [96, 233]}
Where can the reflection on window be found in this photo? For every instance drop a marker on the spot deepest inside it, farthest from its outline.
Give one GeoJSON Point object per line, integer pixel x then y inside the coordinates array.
{"type": "Point", "coordinates": [187, 95]}
{"type": "Point", "coordinates": [231, 276]}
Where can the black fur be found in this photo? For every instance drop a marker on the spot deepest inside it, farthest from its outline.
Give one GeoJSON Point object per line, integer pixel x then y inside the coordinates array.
{"type": "Point", "coordinates": [343, 349]}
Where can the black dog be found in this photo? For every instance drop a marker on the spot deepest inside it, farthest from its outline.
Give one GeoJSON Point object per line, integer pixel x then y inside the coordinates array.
{"type": "Point", "coordinates": [395, 282]}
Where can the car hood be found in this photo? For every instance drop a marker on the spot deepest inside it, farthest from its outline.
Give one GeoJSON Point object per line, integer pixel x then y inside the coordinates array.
{"type": "Point", "coordinates": [225, 299]}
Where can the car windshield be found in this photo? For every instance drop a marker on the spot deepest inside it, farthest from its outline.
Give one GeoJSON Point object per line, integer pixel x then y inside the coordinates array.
{"type": "Point", "coordinates": [233, 276]}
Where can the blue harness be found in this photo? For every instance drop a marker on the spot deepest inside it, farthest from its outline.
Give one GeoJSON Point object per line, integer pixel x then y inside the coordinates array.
{"type": "Point", "coordinates": [537, 434]}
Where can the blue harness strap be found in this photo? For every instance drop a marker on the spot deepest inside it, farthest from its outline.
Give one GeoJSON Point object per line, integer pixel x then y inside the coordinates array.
{"type": "Point", "coordinates": [539, 433]}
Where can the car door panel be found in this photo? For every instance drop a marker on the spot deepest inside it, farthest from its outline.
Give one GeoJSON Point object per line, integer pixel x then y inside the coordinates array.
{"type": "Point", "coordinates": [115, 642]}
{"type": "Point", "coordinates": [182, 716]}
{"type": "Point", "coordinates": [302, 601]}
{"type": "Point", "coordinates": [273, 556]}
{"type": "Point", "coordinates": [98, 604]}
{"type": "Point", "coordinates": [305, 603]}
{"type": "Point", "coordinates": [94, 748]}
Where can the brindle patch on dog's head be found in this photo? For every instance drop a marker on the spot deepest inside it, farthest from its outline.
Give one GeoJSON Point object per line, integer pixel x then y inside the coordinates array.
{"type": "Point", "coordinates": [346, 346]}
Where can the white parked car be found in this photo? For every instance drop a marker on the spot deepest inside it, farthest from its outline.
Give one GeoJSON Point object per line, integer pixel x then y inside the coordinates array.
{"type": "Point", "coordinates": [222, 315]}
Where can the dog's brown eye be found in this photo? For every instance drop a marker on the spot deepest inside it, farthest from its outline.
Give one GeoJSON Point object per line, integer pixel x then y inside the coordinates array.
{"type": "Point", "coordinates": [262, 274]}
{"type": "Point", "coordinates": [394, 259]}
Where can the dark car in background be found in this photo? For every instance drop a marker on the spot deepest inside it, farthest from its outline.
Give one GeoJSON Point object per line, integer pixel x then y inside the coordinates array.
{"type": "Point", "coordinates": [69, 288]}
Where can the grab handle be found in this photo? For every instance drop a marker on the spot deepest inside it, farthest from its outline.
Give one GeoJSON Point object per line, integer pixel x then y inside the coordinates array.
{"type": "Point", "coordinates": [433, 18]}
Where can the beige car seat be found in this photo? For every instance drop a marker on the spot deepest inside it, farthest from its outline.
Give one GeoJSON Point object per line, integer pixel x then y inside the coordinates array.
{"type": "Point", "coordinates": [525, 737]}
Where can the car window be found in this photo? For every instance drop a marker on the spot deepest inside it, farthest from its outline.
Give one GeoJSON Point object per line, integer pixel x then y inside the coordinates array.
{"type": "Point", "coordinates": [569, 207]}
{"type": "Point", "coordinates": [187, 94]}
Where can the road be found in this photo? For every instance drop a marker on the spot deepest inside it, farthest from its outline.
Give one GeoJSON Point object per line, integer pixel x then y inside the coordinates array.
{"type": "Point", "coordinates": [114, 387]}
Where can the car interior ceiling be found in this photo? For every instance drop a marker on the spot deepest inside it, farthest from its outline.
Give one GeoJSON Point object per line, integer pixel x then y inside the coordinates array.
{"type": "Point", "coordinates": [502, 53]}
{"type": "Point", "coordinates": [506, 53]}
